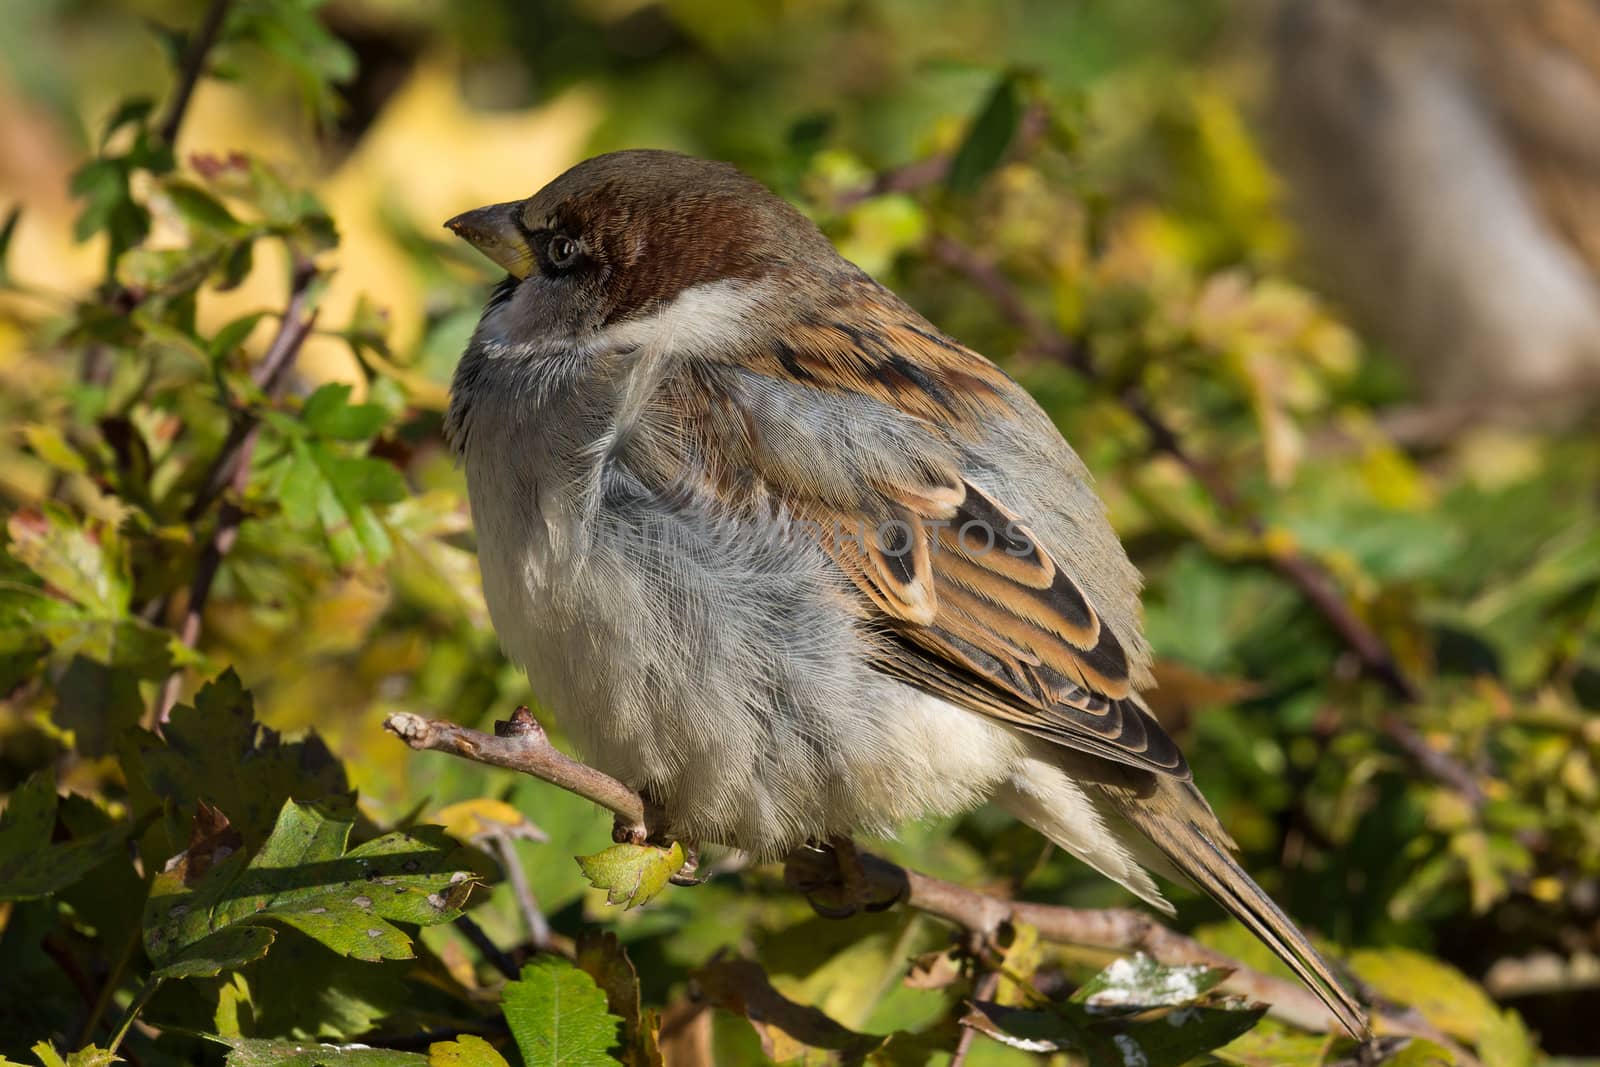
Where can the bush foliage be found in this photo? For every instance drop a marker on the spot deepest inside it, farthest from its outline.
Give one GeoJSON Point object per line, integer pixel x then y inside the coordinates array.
{"type": "Point", "coordinates": [234, 542]}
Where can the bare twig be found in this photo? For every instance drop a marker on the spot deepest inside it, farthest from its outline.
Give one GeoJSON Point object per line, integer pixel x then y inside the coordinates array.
{"type": "Point", "coordinates": [982, 989]}
{"type": "Point", "coordinates": [232, 471]}
{"type": "Point", "coordinates": [528, 751]}
{"type": "Point", "coordinates": [485, 944]}
{"type": "Point", "coordinates": [505, 850]}
{"type": "Point", "coordinates": [1305, 574]}
{"type": "Point", "coordinates": [194, 65]}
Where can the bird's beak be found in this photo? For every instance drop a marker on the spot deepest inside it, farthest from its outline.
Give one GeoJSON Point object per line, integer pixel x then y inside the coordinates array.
{"type": "Point", "coordinates": [493, 231]}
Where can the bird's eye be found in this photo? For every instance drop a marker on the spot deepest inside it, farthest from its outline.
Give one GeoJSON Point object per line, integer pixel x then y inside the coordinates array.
{"type": "Point", "coordinates": [562, 252]}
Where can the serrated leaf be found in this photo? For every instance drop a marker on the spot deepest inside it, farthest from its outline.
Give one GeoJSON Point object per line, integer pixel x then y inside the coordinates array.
{"type": "Point", "coordinates": [216, 751]}
{"type": "Point", "coordinates": [49, 444]}
{"type": "Point", "coordinates": [601, 956]}
{"type": "Point", "coordinates": [469, 1050]}
{"type": "Point", "coordinates": [302, 877]}
{"type": "Point", "coordinates": [87, 565]}
{"type": "Point", "coordinates": [256, 1052]}
{"type": "Point", "coordinates": [338, 491]}
{"type": "Point", "coordinates": [1134, 983]}
{"type": "Point", "coordinates": [1271, 1044]}
{"type": "Point", "coordinates": [329, 413]}
{"type": "Point", "coordinates": [200, 210]}
{"type": "Point", "coordinates": [225, 950]}
{"type": "Point", "coordinates": [1443, 995]}
{"type": "Point", "coordinates": [558, 1016]}
{"type": "Point", "coordinates": [88, 1056]}
{"type": "Point", "coordinates": [133, 110]}
{"type": "Point", "coordinates": [632, 875]}
{"type": "Point", "coordinates": [988, 138]}
{"type": "Point", "coordinates": [31, 865]}
{"type": "Point", "coordinates": [1420, 1053]}
{"type": "Point", "coordinates": [167, 270]}
{"type": "Point", "coordinates": [233, 334]}
{"type": "Point", "coordinates": [1169, 1039]}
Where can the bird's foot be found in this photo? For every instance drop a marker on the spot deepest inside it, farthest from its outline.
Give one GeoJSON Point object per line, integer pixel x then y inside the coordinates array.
{"type": "Point", "coordinates": [687, 874]}
{"type": "Point", "coordinates": [835, 880]}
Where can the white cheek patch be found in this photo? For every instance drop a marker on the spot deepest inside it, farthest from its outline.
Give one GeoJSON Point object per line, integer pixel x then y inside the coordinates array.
{"type": "Point", "coordinates": [710, 317]}
{"type": "Point", "coordinates": [702, 320]}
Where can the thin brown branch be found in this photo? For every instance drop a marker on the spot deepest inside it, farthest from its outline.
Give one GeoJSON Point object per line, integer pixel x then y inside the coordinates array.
{"type": "Point", "coordinates": [231, 471]}
{"type": "Point", "coordinates": [270, 375]}
{"type": "Point", "coordinates": [194, 65]}
{"type": "Point", "coordinates": [485, 944]}
{"type": "Point", "coordinates": [505, 850]}
{"type": "Point", "coordinates": [527, 749]}
{"type": "Point", "coordinates": [1377, 659]}
{"type": "Point", "coordinates": [982, 989]}
{"type": "Point", "coordinates": [1112, 929]}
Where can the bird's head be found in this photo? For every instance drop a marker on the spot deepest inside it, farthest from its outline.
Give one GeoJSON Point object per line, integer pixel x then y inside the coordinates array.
{"type": "Point", "coordinates": [619, 240]}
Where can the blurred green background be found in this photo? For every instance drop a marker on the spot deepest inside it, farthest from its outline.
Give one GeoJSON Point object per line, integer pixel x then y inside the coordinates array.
{"type": "Point", "coordinates": [1112, 165]}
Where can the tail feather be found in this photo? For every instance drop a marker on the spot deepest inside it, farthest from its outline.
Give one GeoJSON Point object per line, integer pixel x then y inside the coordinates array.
{"type": "Point", "coordinates": [1174, 820]}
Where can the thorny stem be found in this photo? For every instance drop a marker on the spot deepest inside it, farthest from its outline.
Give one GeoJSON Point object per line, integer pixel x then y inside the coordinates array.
{"type": "Point", "coordinates": [1305, 574]}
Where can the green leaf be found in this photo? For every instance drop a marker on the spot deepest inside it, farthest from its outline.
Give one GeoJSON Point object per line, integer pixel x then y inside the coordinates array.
{"type": "Point", "coordinates": [1271, 1044]}
{"type": "Point", "coordinates": [329, 413]}
{"type": "Point", "coordinates": [1420, 1053]}
{"type": "Point", "coordinates": [337, 491]}
{"type": "Point", "coordinates": [303, 878]}
{"type": "Point", "coordinates": [233, 334]}
{"type": "Point", "coordinates": [216, 751]}
{"type": "Point", "coordinates": [167, 270]}
{"type": "Point", "coordinates": [469, 1050]}
{"type": "Point", "coordinates": [131, 111]}
{"type": "Point", "coordinates": [87, 565]}
{"type": "Point", "coordinates": [1169, 1040]}
{"type": "Point", "coordinates": [632, 874]}
{"type": "Point", "coordinates": [200, 210]}
{"type": "Point", "coordinates": [236, 266]}
{"type": "Point", "coordinates": [88, 1056]}
{"type": "Point", "coordinates": [108, 205]}
{"type": "Point", "coordinates": [988, 138]}
{"type": "Point", "coordinates": [255, 1052]}
{"type": "Point", "coordinates": [30, 864]}
{"type": "Point", "coordinates": [558, 1016]}
{"type": "Point", "coordinates": [225, 950]}
{"type": "Point", "coordinates": [1134, 983]}
{"type": "Point", "coordinates": [1443, 995]}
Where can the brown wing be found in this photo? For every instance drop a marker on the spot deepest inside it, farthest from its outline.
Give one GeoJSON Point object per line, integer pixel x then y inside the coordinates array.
{"type": "Point", "coordinates": [974, 607]}
{"type": "Point", "coordinates": [979, 613]}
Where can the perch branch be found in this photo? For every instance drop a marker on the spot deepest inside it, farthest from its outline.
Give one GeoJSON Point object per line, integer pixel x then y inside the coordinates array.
{"type": "Point", "coordinates": [522, 745]}
{"type": "Point", "coordinates": [1301, 571]}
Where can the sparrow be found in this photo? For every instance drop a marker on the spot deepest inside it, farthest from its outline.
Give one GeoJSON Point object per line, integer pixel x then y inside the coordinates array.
{"type": "Point", "coordinates": [793, 563]}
